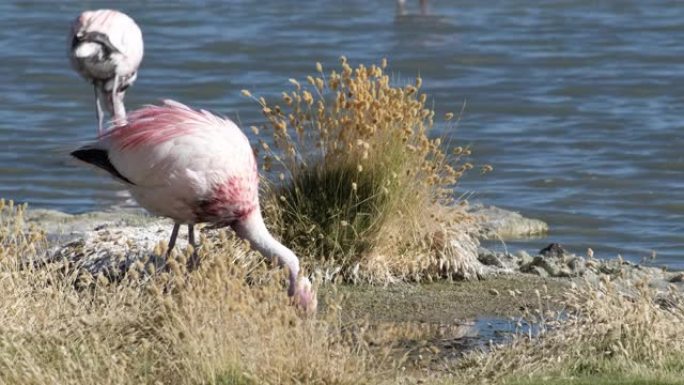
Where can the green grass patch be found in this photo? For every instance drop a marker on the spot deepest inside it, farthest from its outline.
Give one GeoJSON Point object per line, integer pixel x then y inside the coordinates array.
{"type": "Point", "coordinates": [601, 380]}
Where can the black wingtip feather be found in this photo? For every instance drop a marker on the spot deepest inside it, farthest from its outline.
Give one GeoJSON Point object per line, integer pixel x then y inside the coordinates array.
{"type": "Point", "coordinates": [100, 158]}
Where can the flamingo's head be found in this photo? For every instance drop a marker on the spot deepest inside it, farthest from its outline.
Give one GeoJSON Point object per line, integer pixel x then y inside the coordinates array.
{"type": "Point", "coordinates": [304, 297]}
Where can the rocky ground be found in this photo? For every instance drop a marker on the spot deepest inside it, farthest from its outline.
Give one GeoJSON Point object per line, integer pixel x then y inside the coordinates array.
{"type": "Point", "coordinates": [113, 240]}
{"type": "Point", "coordinates": [554, 261]}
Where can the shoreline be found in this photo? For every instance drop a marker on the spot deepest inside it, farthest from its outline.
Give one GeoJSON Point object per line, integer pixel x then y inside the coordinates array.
{"type": "Point", "coordinates": [131, 234]}
{"type": "Point", "coordinates": [495, 224]}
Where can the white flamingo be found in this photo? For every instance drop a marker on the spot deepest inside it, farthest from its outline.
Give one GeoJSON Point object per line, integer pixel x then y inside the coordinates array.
{"type": "Point", "coordinates": [193, 167]}
{"type": "Point", "coordinates": [106, 48]}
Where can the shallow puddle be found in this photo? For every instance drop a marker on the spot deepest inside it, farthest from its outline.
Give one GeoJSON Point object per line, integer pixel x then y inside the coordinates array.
{"type": "Point", "coordinates": [437, 346]}
{"type": "Point", "coordinates": [429, 326]}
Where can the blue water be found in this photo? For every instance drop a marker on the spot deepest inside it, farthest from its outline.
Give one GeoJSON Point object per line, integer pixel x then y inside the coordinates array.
{"type": "Point", "coordinates": [577, 104]}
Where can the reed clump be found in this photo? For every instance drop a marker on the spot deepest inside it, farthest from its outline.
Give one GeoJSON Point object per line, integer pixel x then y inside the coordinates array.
{"type": "Point", "coordinates": [607, 331]}
{"type": "Point", "coordinates": [355, 183]}
{"type": "Point", "coordinates": [230, 323]}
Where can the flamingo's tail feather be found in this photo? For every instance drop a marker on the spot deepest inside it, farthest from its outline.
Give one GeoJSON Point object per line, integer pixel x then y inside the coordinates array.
{"type": "Point", "coordinates": [99, 158]}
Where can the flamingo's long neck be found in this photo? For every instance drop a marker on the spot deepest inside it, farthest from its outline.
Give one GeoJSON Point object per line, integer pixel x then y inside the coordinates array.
{"type": "Point", "coordinates": [253, 229]}
{"type": "Point", "coordinates": [118, 108]}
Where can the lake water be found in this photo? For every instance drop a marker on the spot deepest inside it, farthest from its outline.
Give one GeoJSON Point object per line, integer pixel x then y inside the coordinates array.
{"type": "Point", "coordinates": [577, 104]}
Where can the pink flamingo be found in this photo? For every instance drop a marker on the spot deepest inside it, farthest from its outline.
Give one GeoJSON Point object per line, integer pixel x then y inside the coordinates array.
{"type": "Point", "coordinates": [106, 48]}
{"type": "Point", "coordinates": [193, 167]}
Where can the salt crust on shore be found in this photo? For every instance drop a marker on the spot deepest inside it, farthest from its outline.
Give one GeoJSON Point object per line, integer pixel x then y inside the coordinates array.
{"type": "Point", "coordinates": [111, 241]}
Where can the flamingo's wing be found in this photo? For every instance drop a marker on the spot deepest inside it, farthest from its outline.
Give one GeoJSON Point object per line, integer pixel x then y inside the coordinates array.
{"type": "Point", "coordinates": [159, 141]}
{"type": "Point", "coordinates": [186, 164]}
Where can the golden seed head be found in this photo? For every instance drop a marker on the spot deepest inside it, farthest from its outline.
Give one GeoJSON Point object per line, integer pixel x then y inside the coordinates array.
{"type": "Point", "coordinates": [320, 84]}
{"type": "Point", "coordinates": [307, 97]}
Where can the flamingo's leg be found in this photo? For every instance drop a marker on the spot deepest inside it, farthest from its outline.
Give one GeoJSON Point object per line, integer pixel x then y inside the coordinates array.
{"type": "Point", "coordinates": [172, 241]}
{"type": "Point", "coordinates": [401, 9]}
{"type": "Point", "coordinates": [99, 113]}
{"type": "Point", "coordinates": [194, 261]}
{"type": "Point", "coordinates": [191, 235]}
{"type": "Point", "coordinates": [423, 7]}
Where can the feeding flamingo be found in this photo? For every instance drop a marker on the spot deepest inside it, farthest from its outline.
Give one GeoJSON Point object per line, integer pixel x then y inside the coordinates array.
{"type": "Point", "coordinates": [193, 167]}
{"type": "Point", "coordinates": [106, 48]}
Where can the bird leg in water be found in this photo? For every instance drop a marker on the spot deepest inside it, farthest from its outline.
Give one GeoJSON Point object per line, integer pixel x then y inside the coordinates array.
{"type": "Point", "coordinates": [99, 96]}
{"type": "Point", "coordinates": [424, 7]}
{"type": "Point", "coordinates": [401, 7]}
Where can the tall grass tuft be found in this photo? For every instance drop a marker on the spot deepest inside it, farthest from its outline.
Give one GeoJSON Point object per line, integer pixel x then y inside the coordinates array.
{"type": "Point", "coordinates": [358, 185]}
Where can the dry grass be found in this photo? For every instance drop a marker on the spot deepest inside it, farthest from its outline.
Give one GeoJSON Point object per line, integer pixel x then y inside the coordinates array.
{"type": "Point", "coordinates": [357, 182]}
{"type": "Point", "coordinates": [603, 334]}
{"type": "Point", "coordinates": [230, 323]}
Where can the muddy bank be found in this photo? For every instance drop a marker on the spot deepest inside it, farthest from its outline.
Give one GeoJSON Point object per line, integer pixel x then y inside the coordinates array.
{"type": "Point", "coordinates": [431, 325]}
{"type": "Point", "coordinates": [447, 302]}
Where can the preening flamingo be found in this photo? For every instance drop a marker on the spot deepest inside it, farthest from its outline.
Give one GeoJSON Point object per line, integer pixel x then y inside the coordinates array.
{"type": "Point", "coordinates": [192, 166]}
{"type": "Point", "coordinates": [106, 48]}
